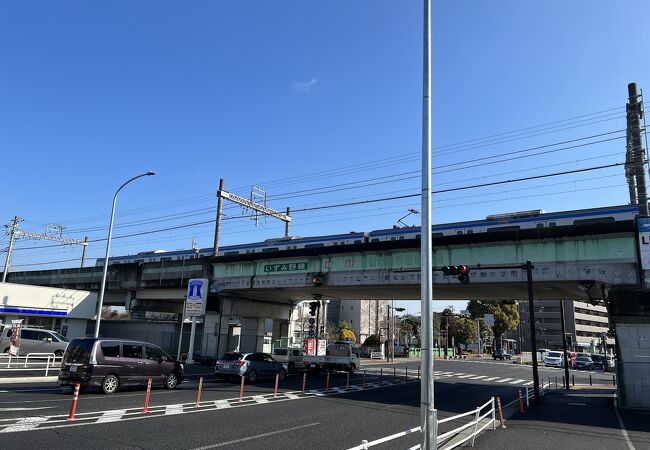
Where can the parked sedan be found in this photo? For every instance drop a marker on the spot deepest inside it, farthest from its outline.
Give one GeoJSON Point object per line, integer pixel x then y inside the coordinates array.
{"type": "Point", "coordinates": [501, 354]}
{"type": "Point", "coordinates": [554, 359]}
{"type": "Point", "coordinates": [251, 366]}
{"type": "Point", "coordinates": [584, 362]}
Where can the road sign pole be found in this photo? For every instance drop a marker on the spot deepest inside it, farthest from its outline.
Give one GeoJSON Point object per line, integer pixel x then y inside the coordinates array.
{"type": "Point", "coordinates": [190, 351]}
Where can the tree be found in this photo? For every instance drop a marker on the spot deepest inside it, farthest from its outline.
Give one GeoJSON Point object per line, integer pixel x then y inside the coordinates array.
{"type": "Point", "coordinates": [372, 341]}
{"type": "Point", "coordinates": [466, 332]}
{"type": "Point", "coordinates": [506, 316]}
{"type": "Point", "coordinates": [345, 334]}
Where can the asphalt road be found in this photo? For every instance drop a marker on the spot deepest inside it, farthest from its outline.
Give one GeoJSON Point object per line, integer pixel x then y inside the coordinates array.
{"type": "Point", "coordinates": [336, 419]}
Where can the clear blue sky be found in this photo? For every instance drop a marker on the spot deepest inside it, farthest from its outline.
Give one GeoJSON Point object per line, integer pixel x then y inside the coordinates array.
{"type": "Point", "coordinates": [299, 97]}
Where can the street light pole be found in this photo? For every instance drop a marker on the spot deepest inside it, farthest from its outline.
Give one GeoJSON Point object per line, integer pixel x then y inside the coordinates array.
{"type": "Point", "coordinates": [100, 303]}
{"type": "Point", "coordinates": [428, 420]}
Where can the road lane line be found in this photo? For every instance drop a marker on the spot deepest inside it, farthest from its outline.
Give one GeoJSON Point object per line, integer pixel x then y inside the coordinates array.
{"type": "Point", "coordinates": [26, 424]}
{"type": "Point", "coordinates": [465, 376]}
{"type": "Point", "coordinates": [258, 436]}
{"type": "Point", "coordinates": [478, 377]}
{"type": "Point", "coordinates": [491, 379]}
{"type": "Point", "coordinates": [26, 409]}
{"type": "Point", "coordinates": [112, 416]}
{"type": "Point", "coordinates": [628, 441]}
{"type": "Point", "coordinates": [528, 384]}
{"type": "Point", "coordinates": [503, 380]}
{"type": "Point", "coordinates": [517, 381]}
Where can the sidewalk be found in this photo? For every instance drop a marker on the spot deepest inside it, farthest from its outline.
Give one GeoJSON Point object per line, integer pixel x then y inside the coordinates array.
{"type": "Point", "coordinates": [584, 419]}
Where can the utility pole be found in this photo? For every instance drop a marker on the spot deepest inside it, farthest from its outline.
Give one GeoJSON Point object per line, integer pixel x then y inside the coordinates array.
{"type": "Point", "coordinates": [12, 238]}
{"type": "Point", "coordinates": [287, 224]}
{"type": "Point", "coordinates": [634, 115]}
{"type": "Point", "coordinates": [217, 226]}
{"type": "Point", "coordinates": [84, 246]}
{"type": "Point", "coordinates": [564, 358]}
{"type": "Point", "coordinates": [533, 338]}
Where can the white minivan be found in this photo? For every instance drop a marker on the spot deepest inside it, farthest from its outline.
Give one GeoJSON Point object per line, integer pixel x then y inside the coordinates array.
{"type": "Point", "coordinates": [35, 340]}
{"type": "Point", "coordinates": [292, 357]}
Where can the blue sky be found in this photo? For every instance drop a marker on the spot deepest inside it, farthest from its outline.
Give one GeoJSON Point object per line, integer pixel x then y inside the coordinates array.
{"type": "Point", "coordinates": [320, 101]}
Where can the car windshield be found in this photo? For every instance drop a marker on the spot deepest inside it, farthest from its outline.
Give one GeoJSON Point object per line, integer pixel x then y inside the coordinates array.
{"type": "Point", "coordinates": [554, 354]}
{"type": "Point", "coordinates": [280, 351]}
{"type": "Point", "coordinates": [582, 358]}
{"type": "Point", "coordinates": [231, 357]}
{"type": "Point", "coordinates": [60, 337]}
{"type": "Point", "coordinates": [596, 358]}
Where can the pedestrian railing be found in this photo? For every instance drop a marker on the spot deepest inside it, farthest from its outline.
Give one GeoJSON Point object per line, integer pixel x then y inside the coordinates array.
{"type": "Point", "coordinates": [482, 417]}
{"type": "Point", "coordinates": [39, 361]}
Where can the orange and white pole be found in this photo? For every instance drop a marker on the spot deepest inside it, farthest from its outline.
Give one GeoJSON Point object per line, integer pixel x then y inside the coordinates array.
{"type": "Point", "coordinates": [241, 389]}
{"type": "Point", "coordinates": [347, 386]}
{"type": "Point", "coordinates": [304, 382]}
{"type": "Point", "coordinates": [327, 382]}
{"type": "Point", "coordinates": [198, 394]}
{"type": "Point", "coordinates": [364, 378]}
{"type": "Point", "coordinates": [503, 422]}
{"type": "Point", "coordinates": [275, 390]}
{"type": "Point", "coordinates": [75, 397]}
{"type": "Point", "coordinates": [146, 398]}
{"type": "Point", "coordinates": [521, 403]}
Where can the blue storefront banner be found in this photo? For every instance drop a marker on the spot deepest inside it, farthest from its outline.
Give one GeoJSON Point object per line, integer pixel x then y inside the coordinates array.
{"type": "Point", "coordinates": [32, 311]}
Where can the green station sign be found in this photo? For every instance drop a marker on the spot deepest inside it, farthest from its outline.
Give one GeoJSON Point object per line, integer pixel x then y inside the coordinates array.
{"type": "Point", "coordinates": [285, 267]}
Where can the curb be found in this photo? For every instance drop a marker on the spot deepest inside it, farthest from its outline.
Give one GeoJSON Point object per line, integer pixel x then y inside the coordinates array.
{"type": "Point", "coordinates": [16, 380]}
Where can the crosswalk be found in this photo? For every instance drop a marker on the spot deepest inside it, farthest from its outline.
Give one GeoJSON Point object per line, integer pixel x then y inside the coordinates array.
{"type": "Point", "coordinates": [442, 375]}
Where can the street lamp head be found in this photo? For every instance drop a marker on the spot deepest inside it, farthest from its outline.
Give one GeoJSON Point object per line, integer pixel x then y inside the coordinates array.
{"type": "Point", "coordinates": [151, 172]}
{"type": "Point", "coordinates": [400, 309]}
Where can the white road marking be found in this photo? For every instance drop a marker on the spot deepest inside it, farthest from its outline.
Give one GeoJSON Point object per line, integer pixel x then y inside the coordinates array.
{"type": "Point", "coordinates": [26, 424]}
{"type": "Point", "coordinates": [478, 377]}
{"type": "Point", "coordinates": [628, 441]}
{"type": "Point", "coordinates": [528, 384]}
{"type": "Point", "coordinates": [465, 376]}
{"type": "Point", "coordinates": [26, 409]}
{"type": "Point", "coordinates": [112, 416]}
{"type": "Point", "coordinates": [257, 436]}
{"type": "Point", "coordinates": [517, 381]}
{"type": "Point", "coordinates": [260, 399]}
{"type": "Point", "coordinates": [491, 378]}
{"type": "Point", "coordinates": [291, 396]}
{"type": "Point", "coordinates": [170, 410]}
{"type": "Point", "coordinates": [503, 380]}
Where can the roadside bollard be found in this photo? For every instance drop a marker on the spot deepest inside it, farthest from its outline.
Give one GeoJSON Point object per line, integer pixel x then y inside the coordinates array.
{"type": "Point", "coordinates": [527, 403]}
{"type": "Point", "coordinates": [406, 373]}
{"type": "Point", "coordinates": [241, 388]}
{"type": "Point", "coordinates": [564, 383]}
{"type": "Point", "coordinates": [394, 374]}
{"type": "Point", "coordinates": [327, 382]}
{"type": "Point", "coordinates": [614, 380]}
{"type": "Point", "coordinates": [381, 375]}
{"type": "Point", "coordinates": [198, 394]}
{"type": "Point", "coordinates": [304, 382]}
{"type": "Point", "coordinates": [364, 378]}
{"type": "Point", "coordinates": [347, 385]}
{"type": "Point", "coordinates": [418, 371]}
{"type": "Point", "coordinates": [590, 383]}
{"type": "Point", "coordinates": [573, 379]}
{"type": "Point", "coordinates": [145, 410]}
{"type": "Point", "coordinates": [521, 403]}
{"type": "Point", "coordinates": [556, 382]}
{"type": "Point", "coordinates": [275, 390]}
{"type": "Point", "coordinates": [75, 397]}
{"type": "Point", "coordinates": [501, 421]}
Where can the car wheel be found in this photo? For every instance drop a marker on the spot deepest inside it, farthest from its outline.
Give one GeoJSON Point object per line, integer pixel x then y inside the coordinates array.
{"type": "Point", "coordinates": [172, 381]}
{"type": "Point", "coordinates": [58, 353]}
{"type": "Point", "coordinates": [292, 367]}
{"type": "Point", "coordinates": [252, 377]}
{"type": "Point", "coordinates": [110, 384]}
{"type": "Point", "coordinates": [282, 374]}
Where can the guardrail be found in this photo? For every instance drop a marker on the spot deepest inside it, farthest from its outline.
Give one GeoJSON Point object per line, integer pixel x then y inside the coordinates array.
{"type": "Point", "coordinates": [451, 438]}
{"type": "Point", "coordinates": [21, 363]}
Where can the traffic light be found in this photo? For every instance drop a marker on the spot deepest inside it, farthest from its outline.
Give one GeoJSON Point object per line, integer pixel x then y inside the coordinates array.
{"type": "Point", "coordinates": [313, 306]}
{"type": "Point", "coordinates": [317, 280]}
{"type": "Point", "coordinates": [461, 271]}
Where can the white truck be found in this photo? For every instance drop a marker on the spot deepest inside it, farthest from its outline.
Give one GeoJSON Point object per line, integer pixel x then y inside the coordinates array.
{"type": "Point", "coordinates": [339, 356]}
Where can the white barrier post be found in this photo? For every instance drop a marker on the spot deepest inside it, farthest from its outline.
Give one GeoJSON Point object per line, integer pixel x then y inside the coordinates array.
{"type": "Point", "coordinates": [494, 421]}
{"type": "Point", "coordinates": [478, 413]}
{"type": "Point", "coordinates": [527, 402]}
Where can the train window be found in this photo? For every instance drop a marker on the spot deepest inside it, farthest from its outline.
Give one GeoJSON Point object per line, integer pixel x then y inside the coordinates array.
{"type": "Point", "coordinates": [459, 231]}
{"type": "Point", "coordinates": [594, 220]}
{"type": "Point", "coordinates": [470, 231]}
{"type": "Point", "coordinates": [435, 235]}
{"type": "Point", "coordinates": [336, 243]}
{"type": "Point", "coordinates": [539, 225]}
{"type": "Point", "coordinates": [314, 245]}
{"type": "Point", "coordinates": [231, 253]}
{"type": "Point", "coordinates": [393, 238]}
{"type": "Point", "coordinates": [168, 259]}
{"type": "Point", "coordinates": [270, 249]}
{"type": "Point", "coordinates": [358, 241]}
{"type": "Point", "coordinates": [501, 229]}
{"type": "Point", "coordinates": [139, 260]}
{"type": "Point", "coordinates": [552, 224]}
{"type": "Point", "coordinates": [401, 238]}
{"type": "Point", "coordinates": [374, 240]}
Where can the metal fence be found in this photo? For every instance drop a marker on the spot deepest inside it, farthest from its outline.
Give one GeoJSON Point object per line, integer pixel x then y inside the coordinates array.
{"type": "Point", "coordinates": [30, 362]}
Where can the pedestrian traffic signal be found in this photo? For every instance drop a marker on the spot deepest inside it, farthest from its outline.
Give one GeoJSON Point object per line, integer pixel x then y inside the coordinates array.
{"type": "Point", "coordinates": [313, 306]}
{"type": "Point", "coordinates": [461, 271]}
{"type": "Point", "coordinates": [316, 280]}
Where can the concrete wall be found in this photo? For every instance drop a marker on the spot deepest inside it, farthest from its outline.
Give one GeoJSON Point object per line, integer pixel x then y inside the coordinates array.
{"type": "Point", "coordinates": [634, 365]}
